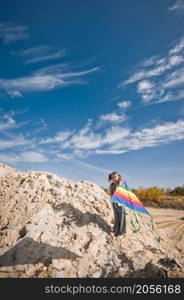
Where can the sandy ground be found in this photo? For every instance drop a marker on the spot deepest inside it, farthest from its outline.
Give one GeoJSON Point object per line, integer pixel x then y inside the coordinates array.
{"type": "Point", "coordinates": [170, 221]}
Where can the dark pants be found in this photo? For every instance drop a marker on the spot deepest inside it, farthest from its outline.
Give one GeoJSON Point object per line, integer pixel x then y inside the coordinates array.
{"type": "Point", "coordinates": [119, 218]}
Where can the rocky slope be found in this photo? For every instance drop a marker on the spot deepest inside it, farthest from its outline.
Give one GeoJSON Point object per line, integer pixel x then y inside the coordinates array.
{"type": "Point", "coordinates": [53, 227]}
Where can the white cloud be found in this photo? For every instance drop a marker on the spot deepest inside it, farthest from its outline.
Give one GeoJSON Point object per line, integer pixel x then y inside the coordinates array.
{"type": "Point", "coordinates": [7, 122]}
{"type": "Point", "coordinates": [118, 139]}
{"type": "Point", "coordinates": [138, 75]}
{"type": "Point", "coordinates": [41, 121]}
{"type": "Point", "coordinates": [174, 79]}
{"type": "Point", "coordinates": [151, 137]}
{"type": "Point", "coordinates": [45, 79]}
{"type": "Point", "coordinates": [147, 62]}
{"type": "Point", "coordinates": [178, 48]}
{"type": "Point", "coordinates": [50, 56]}
{"type": "Point", "coordinates": [33, 51]}
{"type": "Point", "coordinates": [39, 129]}
{"type": "Point", "coordinates": [143, 74]}
{"type": "Point", "coordinates": [147, 90]}
{"type": "Point", "coordinates": [14, 94]}
{"type": "Point", "coordinates": [87, 139]}
{"type": "Point", "coordinates": [114, 134]}
{"type": "Point", "coordinates": [113, 117]}
{"type": "Point", "coordinates": [60, 137]}
{"type": "Point", "coordinates": [83, 142]}
{"type": "Point", "coordinates": [10, 33]}
{"type": "Point", "coordinates": [174, 58]}
{"type": "Point", "coordinates": [178, 7]}
{"type": "Point", "coordinates": [55, 69]}
{"type": "Point", "coordinates": [29, 156]}
{"type": "Point", "coordinates": [18, 111]}
{"type": "Point", "coordinates": [99, 151]}
{"type": "Point", "coordinates": [65, 156]}
{"type": "Point", "coordinates": [71, 144]}
{"type": "Point", "coordinates": [124, 104]}
{"type": "Point", "coordinates": [144, 86]}
{"type": "Point", "coordinates": [170, 96]}
{"type": "Point", "coordinates": [32, 83]}
{"type": "Point", "coordinates": [84, 139]}
{"type": "Point", "coordinates": [72, 155]}
{"type": "Point", "coordinates": [39, 54]}
{"type": "Point", "coordinates": [14, 142]}
{"type": "Point", "coordinates": [156, 76]}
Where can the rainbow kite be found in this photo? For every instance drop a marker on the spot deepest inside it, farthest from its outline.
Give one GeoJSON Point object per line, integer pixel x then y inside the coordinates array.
{"type": "Point", "coordinates": [124, 195]}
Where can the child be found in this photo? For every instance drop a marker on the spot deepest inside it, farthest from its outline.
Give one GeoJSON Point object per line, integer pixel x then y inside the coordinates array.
{"type": "Point", "coordinates": [119, 210]}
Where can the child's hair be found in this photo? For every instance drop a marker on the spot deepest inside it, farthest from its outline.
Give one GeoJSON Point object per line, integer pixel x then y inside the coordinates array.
{"type": "Point", "coordinates": [113, 173]}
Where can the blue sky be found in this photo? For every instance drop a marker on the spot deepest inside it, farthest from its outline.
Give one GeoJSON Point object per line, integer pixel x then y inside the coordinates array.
{"type": "Point", "coordinates": [91, 87]}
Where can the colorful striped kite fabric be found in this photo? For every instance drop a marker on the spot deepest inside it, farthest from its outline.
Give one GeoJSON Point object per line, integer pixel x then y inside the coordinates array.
{"type": "Point", "coordinates": [124, 195]}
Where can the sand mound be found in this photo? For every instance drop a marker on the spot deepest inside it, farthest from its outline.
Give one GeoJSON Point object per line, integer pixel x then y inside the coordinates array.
{"type": "Point", "coordinates": [53, 227]}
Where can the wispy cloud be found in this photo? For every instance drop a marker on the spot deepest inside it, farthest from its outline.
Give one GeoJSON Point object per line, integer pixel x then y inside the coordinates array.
{"type": "Point", "coordinates": [151, 137]}
{"type": "Point", "coordinates": [177, 7]}
{"type": "Point", "coordinates": [14, 94]}
{"type": "Point", "coordinates": [8, 122]}
{"type": "Point", "coordinates": [71, 144]}
{"type": "Point", "coordinates": [10, 33]}
{"type": "Point", "coordinates": [174, 79]}
{"type": "Point", "coordinates": [165, 65]}
{"type": "Point", "coordinates": [65, 156]}
{"type": "Point", "coordinates": [113, 118]}
{"type": "Point", "coordinates": [124, 104]}
{"type": "Point", "coordinates": [156, 76]}
{"type": "Point", "coordinates": [116, 139]}
{"type": "Point", "coordinates": [15, 141]}
{"type": "Point", "coordinates": [88, 140]}
{"type": "Point", "coordinates": [15, 147]}
{"type": "Point", "coordinates": [147, 90]}
{"type": "Point", "coordinates": [9, 139]}
{"type": "Point", "coordinates": [15, 112]}
{"type": "Point", "coordinates": [28, 156]}
{"type": "Point", "coordinates": [37, 50]}
{"type": "Point", "coordinates": [39, 54]}
{"type": "Point", "coordinates": [46, 79]}
{"type": "Point", "coordinates": [42, 126]}
{"type": "Point", "coordinates": [178, 47]}
{"type": "Point", "coordinates": [59, 137]}
{"type": "Point", "coordinates": [52, 56]}
{"type": "Point", "coordinates": [84, 139]}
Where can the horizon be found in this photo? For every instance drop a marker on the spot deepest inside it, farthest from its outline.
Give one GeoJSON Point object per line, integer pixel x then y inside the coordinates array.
{"type": "Point", "coordinates": [104, 187]}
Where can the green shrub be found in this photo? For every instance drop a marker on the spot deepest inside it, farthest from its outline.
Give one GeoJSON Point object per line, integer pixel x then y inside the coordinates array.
{"type": "Point", "coordinates": [179, 190]}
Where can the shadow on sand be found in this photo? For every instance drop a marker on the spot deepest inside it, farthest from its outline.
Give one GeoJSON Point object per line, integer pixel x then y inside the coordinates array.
{"type": "Point", "coordinates": [28, 251]}
{"type": "Point", "coordinates": [80, 218]}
